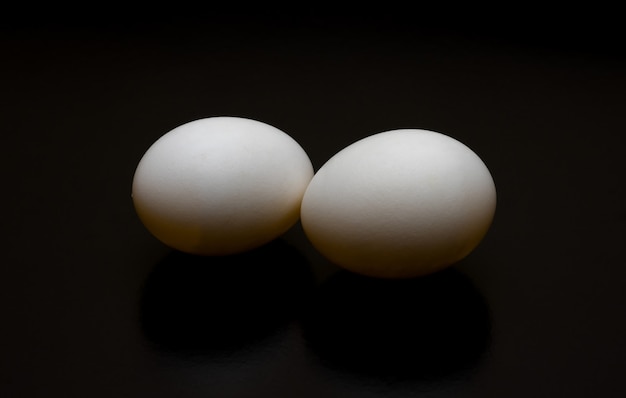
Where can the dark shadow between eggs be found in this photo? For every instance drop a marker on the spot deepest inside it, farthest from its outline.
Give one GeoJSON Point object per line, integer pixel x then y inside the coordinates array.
{"type": "Point", "coordinates": [425, 330]}
{"type": "Point", "coordinates": [220, 306]}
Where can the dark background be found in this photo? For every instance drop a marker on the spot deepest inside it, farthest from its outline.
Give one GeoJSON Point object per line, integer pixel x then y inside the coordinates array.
{"type": "Point", "coordinates": [91, 305]}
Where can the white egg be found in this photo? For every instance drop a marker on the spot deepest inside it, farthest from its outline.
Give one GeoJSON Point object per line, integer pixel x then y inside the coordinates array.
{"type": "Point", "coordinates": [221, 185]}
{"type": "Point", "coordinates": [399, 204]}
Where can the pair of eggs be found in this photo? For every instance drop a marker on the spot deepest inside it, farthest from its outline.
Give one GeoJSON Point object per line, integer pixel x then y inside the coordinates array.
{"type": "Point", "coordinates": [397, 204]}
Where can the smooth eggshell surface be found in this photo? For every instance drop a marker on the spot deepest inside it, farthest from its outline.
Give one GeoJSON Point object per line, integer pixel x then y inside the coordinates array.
{"type": "Point", "coordinates": [221, 185]}
{"type": "Point", "coordinates": [399, 204]}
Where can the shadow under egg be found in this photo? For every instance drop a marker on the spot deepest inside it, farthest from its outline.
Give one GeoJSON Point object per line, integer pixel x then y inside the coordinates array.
{"type": "Point", "coordinates": [425, 329]}
{"type": "Point", "coordinates": [195, 305]}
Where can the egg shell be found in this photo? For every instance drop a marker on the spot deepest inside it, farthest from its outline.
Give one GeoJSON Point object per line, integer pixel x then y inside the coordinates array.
{"type": "Point", "coordinates": [399, 204]}
{"type": "Point", "coordinates": [221, 185]}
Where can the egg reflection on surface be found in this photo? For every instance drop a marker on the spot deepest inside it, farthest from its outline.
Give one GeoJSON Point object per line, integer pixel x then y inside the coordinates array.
{"type": "Point", "coordinates": [221, 185]}
{"type": "Point", "coordinates": [398, 204]}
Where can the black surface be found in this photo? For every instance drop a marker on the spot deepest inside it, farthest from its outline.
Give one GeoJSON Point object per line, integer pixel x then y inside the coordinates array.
{"type": "Point", "coordinates": [93, 306]}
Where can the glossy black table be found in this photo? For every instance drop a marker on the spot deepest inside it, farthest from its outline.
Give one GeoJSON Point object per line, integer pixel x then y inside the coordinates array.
{"type": "Point", "coordinates": [93, 306]}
